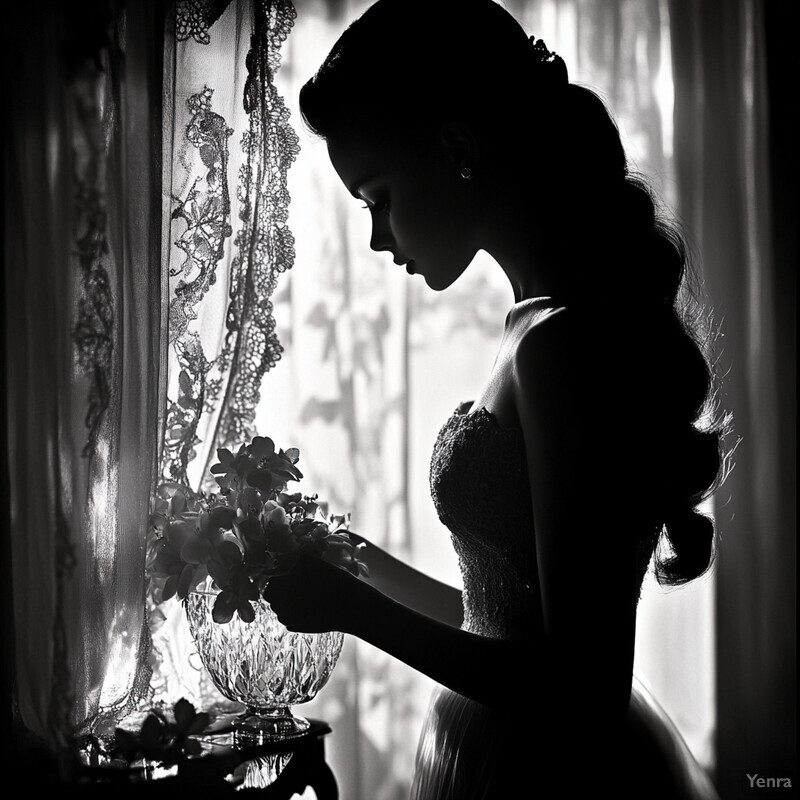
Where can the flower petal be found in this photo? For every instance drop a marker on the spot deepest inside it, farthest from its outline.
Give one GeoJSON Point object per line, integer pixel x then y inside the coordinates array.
{"type": "Point", "coordinates": [261, 447]}
{"type": "Point", "coordinates": [222, 517]}
{"type": "Point", "coordinates": [261, 479]}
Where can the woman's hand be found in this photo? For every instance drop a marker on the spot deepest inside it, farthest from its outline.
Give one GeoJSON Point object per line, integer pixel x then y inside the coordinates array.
{"type": "Point", "coordinates": [317, 597]}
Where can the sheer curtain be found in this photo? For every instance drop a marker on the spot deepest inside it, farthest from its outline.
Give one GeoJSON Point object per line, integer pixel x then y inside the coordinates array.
{"type": "Point", "coordinates": [82, 359]}
{"type": "Point", "coordinates": [227, 148]}
{"type": "Point", "coordinates": [737, 171]}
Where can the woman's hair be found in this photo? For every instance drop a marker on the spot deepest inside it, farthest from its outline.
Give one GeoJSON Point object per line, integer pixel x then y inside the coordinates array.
{"type": "Point", "coordinates": [408, 65]}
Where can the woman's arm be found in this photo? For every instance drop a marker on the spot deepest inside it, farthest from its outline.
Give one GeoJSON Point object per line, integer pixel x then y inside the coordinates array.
{"type": "Point", "coordinates": [408, 586]}
{"type": "Point", "coordinates": [580, 667]}
{"type": "Point", "coordinates": [318, 597]}
{"type": "Point", "coordinates": [573, 396]}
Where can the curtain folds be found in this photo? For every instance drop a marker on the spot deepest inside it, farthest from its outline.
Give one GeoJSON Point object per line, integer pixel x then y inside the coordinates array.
{"type": "Point", "coordinates": [83, 330]}
{"type": "Point", "coordinates": [728, 171]}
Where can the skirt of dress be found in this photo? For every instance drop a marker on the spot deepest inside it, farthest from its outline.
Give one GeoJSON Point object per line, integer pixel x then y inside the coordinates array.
{"type": "Point", "coordinates": [468, 751]}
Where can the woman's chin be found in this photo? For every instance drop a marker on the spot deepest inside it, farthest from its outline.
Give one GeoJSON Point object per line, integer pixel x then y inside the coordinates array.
{"type": "Point", "coordinates": [439, 282]}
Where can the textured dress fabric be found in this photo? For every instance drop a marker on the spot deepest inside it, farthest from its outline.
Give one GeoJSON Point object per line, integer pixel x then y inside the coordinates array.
{"type": "Point", "coordinates": [469, 751]}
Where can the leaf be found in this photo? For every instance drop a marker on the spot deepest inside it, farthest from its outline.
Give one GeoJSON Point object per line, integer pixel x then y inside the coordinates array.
{"type": "Point", "coordinates": [185, 581]}
{"type": "Point", "coordinates": [184, 715]}
{"type": "Point", "coordinates": [170, 588]}
{"type": "Point", "coordinates": [224, 606]}
{"type": "Point", "coordinates": [152, 732]}
{"type": "Point", "coordinates": [250, 500]}
{"type": "Point", "coordinates": [158, 522]}
{"type": "Point", "coordinates": [229, 554]}
{"type": "Point", "coordinates": [224, 455]}
{"type": "Point", "coordinates": [284, 469]}
{"type": "Point", "coordinates": [219, 573]}
{"type": "Point", "coordinates": [250, 528]}
{"type": "Point", "coordinates": [201, 722]}
{"type": "Point", "coordinates": [178, 506]}
{"type": "Point", "coordinates": [127, 744]}
{"type": "Point", "coordinates": [196, 551]}
{"type": "Point", "coordinates": [246, 612]}
{"type": "Point", "coordinates": [247, 589]}
{"type": "Point", "coordinates": [192, 747]}
{"type": "Point", "coordinates": [200, 574]}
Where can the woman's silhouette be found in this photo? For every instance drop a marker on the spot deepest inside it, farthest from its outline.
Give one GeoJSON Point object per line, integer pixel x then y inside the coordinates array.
{"type": "Point", "coordinates": [581, 458]}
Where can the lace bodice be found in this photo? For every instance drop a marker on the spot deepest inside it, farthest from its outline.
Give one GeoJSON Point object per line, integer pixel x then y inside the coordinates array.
{"type": "Point", "coordinates": [479, 484]}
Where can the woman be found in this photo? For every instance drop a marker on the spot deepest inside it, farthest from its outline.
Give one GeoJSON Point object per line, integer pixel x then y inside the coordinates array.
{"type": "Point", "coordinates": [582, 453]}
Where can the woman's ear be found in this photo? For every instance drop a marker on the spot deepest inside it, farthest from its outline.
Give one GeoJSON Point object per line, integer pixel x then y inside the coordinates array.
{"type": "Point", "coordinates": [460, 145]}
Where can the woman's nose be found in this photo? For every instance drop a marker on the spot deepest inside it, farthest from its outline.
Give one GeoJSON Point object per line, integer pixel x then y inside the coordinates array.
{"type": "Point", "coordinates": [381, 238]}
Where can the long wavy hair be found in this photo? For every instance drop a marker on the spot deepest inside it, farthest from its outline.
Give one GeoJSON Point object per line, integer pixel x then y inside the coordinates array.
{"type": "Point", "coordinates": [407, 64]}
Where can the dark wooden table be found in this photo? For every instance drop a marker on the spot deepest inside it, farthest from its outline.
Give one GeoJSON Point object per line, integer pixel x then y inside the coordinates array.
{"type": "Point", "coordinates": [225, 769]}
{"type": "Point", "coordinates": [306, 766]}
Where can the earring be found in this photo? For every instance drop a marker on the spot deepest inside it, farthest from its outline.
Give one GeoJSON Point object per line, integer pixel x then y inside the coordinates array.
{"type": "Point", "coordinates": [466, 173]}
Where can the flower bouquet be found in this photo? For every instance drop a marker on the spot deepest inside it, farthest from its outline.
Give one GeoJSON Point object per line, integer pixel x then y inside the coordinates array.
{"type": "Point", "coordinates": [217, 551]}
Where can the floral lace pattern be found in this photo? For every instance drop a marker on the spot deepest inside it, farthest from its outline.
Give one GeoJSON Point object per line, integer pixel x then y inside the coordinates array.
{"type": "Point", "coordinates": [265, 245]}
{"type": "Point", "coordinates": [193, 18]}
{"type": "Point", "coordinates": [94, 330]}
{"type": "Point", "coordinates": [227, 384]}
{"type": "Point", "coordinates": [205, 211]}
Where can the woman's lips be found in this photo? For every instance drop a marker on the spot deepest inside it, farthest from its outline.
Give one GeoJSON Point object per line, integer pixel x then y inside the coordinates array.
{"type": "Point", "coordinates": [409, 265]}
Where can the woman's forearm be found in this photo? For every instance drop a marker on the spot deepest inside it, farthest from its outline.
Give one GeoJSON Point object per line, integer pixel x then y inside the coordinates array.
{"type": "Point", "coordinates": [467, 663]}
{"type": "Point", "coordinates": [409, 587]}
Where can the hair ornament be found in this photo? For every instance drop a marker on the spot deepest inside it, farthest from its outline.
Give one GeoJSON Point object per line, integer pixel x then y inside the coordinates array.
{"type": "Point", "coordinates": [549, 62]}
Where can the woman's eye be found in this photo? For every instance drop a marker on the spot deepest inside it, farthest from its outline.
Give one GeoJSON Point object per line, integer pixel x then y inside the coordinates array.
{"type": "Point", "coordinates": [377, 208]}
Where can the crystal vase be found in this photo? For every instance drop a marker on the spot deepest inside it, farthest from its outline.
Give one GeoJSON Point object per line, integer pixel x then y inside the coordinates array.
{"type": "Point", "coordinates": [262, 665]}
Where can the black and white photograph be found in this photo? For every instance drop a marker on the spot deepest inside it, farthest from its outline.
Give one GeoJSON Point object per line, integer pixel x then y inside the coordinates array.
{"type": "Point", "coordinates": [400, 399]}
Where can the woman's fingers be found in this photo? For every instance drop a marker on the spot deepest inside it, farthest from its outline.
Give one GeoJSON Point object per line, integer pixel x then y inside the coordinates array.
{"type": "Point", "coordinates": [297, 603]}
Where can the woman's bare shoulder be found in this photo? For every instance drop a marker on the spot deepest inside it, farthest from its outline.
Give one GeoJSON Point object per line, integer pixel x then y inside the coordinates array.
{"type": "Point", "coordinates": [572, 343]}
{"type": "Point", "coordinates": [569, 366]}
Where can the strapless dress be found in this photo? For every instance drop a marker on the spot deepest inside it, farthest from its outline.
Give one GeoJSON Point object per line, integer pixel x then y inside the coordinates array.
{"type": "Point", "coordinates": [470, 751]}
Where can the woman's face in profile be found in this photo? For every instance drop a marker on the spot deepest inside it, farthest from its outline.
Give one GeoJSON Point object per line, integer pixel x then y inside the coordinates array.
{"type": "Point", "coordinates": [422, 212]}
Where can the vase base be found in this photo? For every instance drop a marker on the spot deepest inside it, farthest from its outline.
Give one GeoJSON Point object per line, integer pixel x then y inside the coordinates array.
{"type": "Point", "coordinates": [260, 727]}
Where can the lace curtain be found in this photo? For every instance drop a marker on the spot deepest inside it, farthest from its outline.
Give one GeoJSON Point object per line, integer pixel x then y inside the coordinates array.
{"type": "Point", "coordinates": [149, 234]}
{"type": "Point", "coordinates": [143, 249]}
{"type": "Point", "coordinates": [228, 147]}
